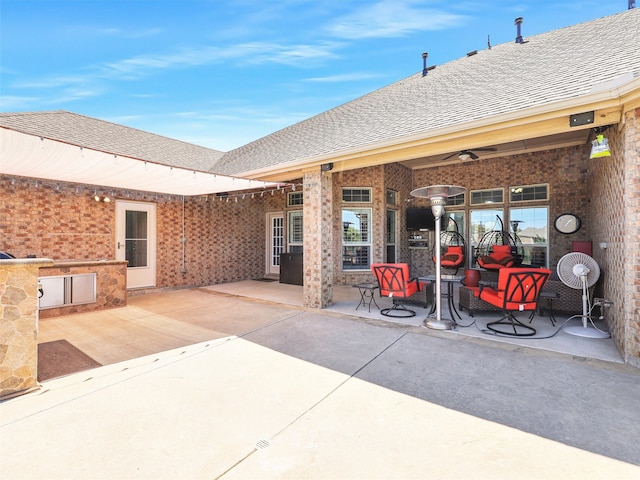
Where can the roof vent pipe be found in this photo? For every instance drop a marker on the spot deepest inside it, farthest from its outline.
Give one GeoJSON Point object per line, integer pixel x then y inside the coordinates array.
{"type": "Point", "coordinates": [424, 64]}
{"type": "Point", "coordinates": [519, 21]}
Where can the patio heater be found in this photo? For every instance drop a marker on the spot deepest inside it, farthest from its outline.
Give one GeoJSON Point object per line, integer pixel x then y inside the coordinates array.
{"type": "Point", "coordinates": [437, 195]}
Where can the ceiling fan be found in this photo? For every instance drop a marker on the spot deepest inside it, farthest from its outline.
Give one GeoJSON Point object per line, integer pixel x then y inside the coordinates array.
{"type": "Point", "coordinates": [469, 154]}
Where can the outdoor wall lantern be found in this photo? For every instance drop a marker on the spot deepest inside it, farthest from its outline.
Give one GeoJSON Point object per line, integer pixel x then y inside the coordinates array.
{"type": "Point", "coordinates": [98, 198]}
{"type": "Point", "coordinates": [437, 195]}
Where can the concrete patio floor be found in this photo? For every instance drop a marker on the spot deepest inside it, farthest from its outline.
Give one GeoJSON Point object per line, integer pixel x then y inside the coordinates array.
{"type": "Point", "coordinates": [207, 383]}
{"type": "Point", "coordinates": [346, 298]}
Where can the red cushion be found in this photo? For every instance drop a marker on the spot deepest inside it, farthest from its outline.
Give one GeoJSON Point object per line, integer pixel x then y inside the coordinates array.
{"type": "Point", "coordinates": [490, 262]}
{"type": "Point", "coordinates": [394, 281]}
{"type": "Point", "coordinates": [497, 296]}
{"type": "Point", "coordinates": [502, 249]}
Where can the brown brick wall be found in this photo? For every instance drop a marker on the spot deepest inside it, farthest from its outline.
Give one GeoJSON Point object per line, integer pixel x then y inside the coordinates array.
{"type": "Point", "coordinates": [318, 245]}
{"type": "Point", "coordinates": [371, 177]}
{"type": "Point", "coordinates": [614, 187]}
{"type": "Point", "coordinates": [399, 178]}
{"type": "Point", "coordinates": [564, 169]}
{"type": "Point", "coordinates": [54, 220]}
{"type": "Point", "coordinates": [225, 241]}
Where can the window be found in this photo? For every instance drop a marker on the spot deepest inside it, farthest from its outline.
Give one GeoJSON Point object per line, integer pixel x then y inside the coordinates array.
{"type": "Point", "coordinates": [392, 197]}
{"type": "Point", "coordinates": [356, 238]}
{"type": "Point", "coordinates": [456, 200]}
{"type": "Point", "coordinates": [531, 227]}
{"type": "Point", "coordinates": [481, 197]}
{"type": "Point", "coordinates": [295, 199]}
{"type": "Point", "coordinates": [528, 193]}
{"type": "Point", "coordinates": [295, 227]}
{"type": "Point", "coordinates": [392, 234]}
{"type": "Point", "coordinates": [481, 222]}
{"type": "Point", "coordinates": [356, 195]}
{"type": "Point", "coordinates": [456, 222]}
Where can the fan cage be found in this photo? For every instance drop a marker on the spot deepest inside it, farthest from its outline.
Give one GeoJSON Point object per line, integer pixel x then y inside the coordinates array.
{"type": "Point", "coordinates": [565, 269]}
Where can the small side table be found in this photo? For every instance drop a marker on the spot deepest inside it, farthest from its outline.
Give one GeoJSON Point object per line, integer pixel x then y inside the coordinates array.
{"type": "Point", "coordinates": [367, 291]}
{"type": "Point", "coordinates": [549, 297]}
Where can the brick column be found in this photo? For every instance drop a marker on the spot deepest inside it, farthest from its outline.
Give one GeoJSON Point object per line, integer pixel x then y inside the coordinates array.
{"type": "Point", "coordinates": [19, 324]}
{"type": "Point", "coordinates": [631, 255]}
{"type": "Point", "coordinates": [318, 239]}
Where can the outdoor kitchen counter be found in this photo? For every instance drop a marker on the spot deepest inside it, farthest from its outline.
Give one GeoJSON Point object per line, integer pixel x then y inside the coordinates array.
{"type": "Point", "coordinates": [87, 263]}
{"type": "Point", "coordinates": [111, 284]}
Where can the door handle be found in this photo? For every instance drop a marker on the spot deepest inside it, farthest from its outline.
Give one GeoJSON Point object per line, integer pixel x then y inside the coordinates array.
{"type": "Point", "coordinates": [118, 245]}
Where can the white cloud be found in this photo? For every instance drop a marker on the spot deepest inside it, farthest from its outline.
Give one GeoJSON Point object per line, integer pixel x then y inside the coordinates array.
{"type": "Point", "coordinates": [16, 102]}
{"type": "Point", "coordinates": [55, 81]}
{"type": "Point", "coordinates": [71, 95]}
{"type": "Point", "coordinates": [245, 53]}
{"type": "Point", "coordinates": [391, 18]}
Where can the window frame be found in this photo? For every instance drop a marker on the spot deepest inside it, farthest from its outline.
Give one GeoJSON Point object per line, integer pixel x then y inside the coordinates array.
{"type": "Point", "coordinates": [527, 246]}
{"type": "Point", "coordinates": [476, 204]}
{"type": "Point", "coordinates": [349, 248]}
{"type": "Point", "coordinates": [291, 224]}
{"type": "Point", "coordinates": [391, 197]}
{"type": "Point", "coordinates": [534, 186]}
{"type": "Point", "coordinates": [369, 191]}
{"type": "Point", "coordinates": [297, 195]}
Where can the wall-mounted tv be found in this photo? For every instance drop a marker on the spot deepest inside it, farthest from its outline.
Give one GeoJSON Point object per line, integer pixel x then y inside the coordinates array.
{"type": "Point", "coordinates": [421, 218]}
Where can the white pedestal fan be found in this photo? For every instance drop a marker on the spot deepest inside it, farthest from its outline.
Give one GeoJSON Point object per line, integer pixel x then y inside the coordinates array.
{"type": "Point", "coordinates": [580, 271]}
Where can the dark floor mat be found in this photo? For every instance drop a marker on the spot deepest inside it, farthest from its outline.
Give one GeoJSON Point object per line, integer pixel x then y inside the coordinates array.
{"type": "Point", "coordinates": [59, 358]}
{"type": "Point", "coordinates": [264, 279]}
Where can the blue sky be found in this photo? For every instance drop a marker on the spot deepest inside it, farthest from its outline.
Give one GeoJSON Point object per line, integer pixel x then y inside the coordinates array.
{"type": "Point", "coordinates": [223, 73]}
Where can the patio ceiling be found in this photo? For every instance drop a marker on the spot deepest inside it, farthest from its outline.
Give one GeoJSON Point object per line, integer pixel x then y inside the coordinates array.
{"type": "Point", "coordinates": [31, 156]}
{"type": "Point", "coordinates": [549, 142]}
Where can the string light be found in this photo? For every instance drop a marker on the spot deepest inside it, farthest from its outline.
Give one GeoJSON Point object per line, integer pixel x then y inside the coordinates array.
{"type": "Point", "coordinates": [58, 186]}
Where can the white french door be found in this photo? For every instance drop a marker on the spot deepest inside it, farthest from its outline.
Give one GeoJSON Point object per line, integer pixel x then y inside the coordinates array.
{"type": "Point", "coordinates": [136, 241]}
{"type": "Point", "coordinates": [275, 242]}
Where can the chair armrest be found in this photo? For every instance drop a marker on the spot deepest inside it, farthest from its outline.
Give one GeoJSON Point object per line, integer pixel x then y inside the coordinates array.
{"type": "Point", "coordinates": [420, 284]}
{"type": "Point", "coordinates": [482, 287]}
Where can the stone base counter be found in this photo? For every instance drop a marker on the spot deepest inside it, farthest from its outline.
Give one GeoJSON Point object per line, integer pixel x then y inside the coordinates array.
{"type": "Point", "coordinates": [111, 284]}
{"type": "Point", "coordinates": [19, 324]}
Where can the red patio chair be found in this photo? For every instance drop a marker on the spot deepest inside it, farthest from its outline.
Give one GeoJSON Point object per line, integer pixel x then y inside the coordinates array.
{"type": "Point", "coordinates": [518, 290]}
{"type": "Point", "coordinates": [394, 282]}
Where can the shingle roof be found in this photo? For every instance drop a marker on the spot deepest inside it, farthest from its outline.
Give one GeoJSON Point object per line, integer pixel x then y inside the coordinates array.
{"type": "Point", "coordinates": [103, 136]}
{"type": "Point", "coordinates": [549, 67]}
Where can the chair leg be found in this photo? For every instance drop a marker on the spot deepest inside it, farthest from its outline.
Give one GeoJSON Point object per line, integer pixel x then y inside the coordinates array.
{"type": "Point", "coordinates": [398, 311]}
{"type": "Point", "coordinates": [512, 327]}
